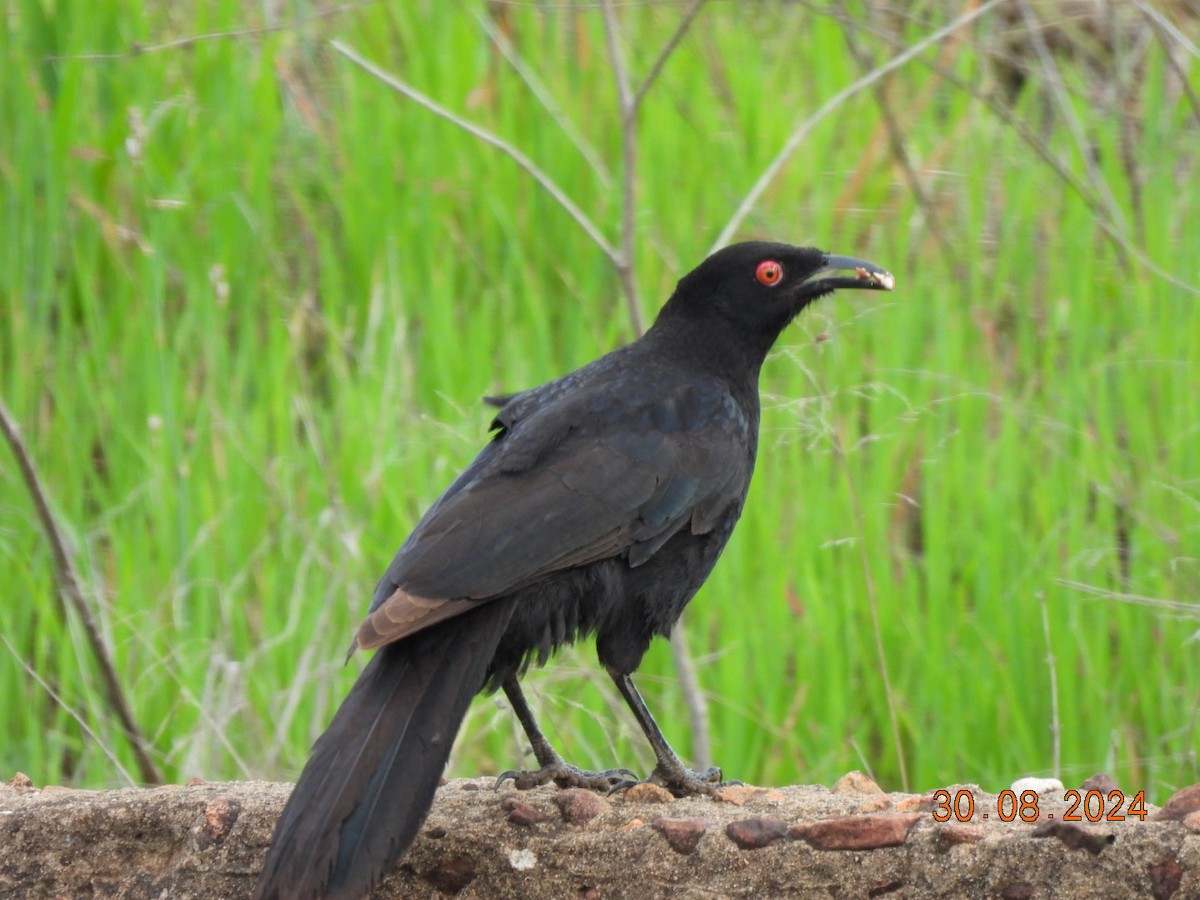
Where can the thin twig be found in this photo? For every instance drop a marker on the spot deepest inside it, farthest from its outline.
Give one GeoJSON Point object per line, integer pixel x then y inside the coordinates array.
{"type": "Point", "coordinates": [833, 103]}
{"type": "Point", "coordinates": [694, 697]}
{"type": "Point", "coordinates": [70, 588]}
{"type": "Point", "coordinates": [1163, 31]}
{"type": "Point", "coordinates": [1058, 92]}
{"type": "Point", "coordinates": [191, 39]}
{"type": "Point", "coordinates": [666, 52]}
{"type": "Point", "coordinates": [625, 259]}
{"type": "Point", "coordinates": [1042, 149]}
{"type": "Point", "coordinates": [74, 714]}
{"type": "Point", "coordinates": [896, 139]}
{"type": "Point", "coordinates": [530, 167]}
{"type": "Point", "coordinates": [586, 150]}
{"type": "Point", "coordinates": [1183, 608]}
{"type": "Point", "coordinates": [1168, 26]}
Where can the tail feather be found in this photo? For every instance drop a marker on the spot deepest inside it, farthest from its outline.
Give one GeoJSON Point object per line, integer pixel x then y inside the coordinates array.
{"type": "Point", "coordinates": [372, 775]}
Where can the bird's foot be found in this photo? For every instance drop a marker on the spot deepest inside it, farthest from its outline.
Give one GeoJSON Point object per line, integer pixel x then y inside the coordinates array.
{"type": "Point", "coordinates": [566, 776]}
{"type": "Point", "coordinates": [682, 781]}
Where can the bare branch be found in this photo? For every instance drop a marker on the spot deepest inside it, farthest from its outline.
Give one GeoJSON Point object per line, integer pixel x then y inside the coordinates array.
{"type": "Point", "coordinates": [1042, 149]}
{"type": "Point", "coordinates": [73, 713]}
{"type": "Point", "coordinates": [896, 139]}
{"type": "Point", "coordinates": [70, 588]}
{"type": "Point", "coordinates": [1166, 31]}
{"type": "Point", "coordinates": [1057, 90]}
{"type": "Point", "coordinates": [1168, 26]}
{"type": "Point", "coordinates": [665, 53]}
{"type": "Point", "coordinates": [693, 696]}
{"type": "Point", "coordinates": [801, 131]}
{"type": "Point", "coordinates": [586, 150]}
{"type": "Point", "coordinates": [530, 167]}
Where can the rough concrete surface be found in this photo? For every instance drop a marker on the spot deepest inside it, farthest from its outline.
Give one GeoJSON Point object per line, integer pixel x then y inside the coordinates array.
{"type": "Point", "coordinates": [208, 840]}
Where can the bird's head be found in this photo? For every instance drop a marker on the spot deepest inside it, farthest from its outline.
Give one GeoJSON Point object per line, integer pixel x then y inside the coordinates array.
{"type": "Point", "coordinates": [758, 287]}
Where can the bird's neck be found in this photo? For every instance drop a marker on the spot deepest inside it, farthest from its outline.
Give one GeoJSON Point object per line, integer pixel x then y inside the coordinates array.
{"type": "Point", "coordinates": [708, 348]}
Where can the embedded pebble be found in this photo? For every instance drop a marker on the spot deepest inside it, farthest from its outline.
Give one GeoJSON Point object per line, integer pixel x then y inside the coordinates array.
{"type": "Point", "coordinates": [752, 834]}
{"type": "Point", "coordinates": [1180, 805]}
{"type": "Point", "coordinates": [682, 834]}
{"type": "Point", "coordinates": [1101, 782]}
{"type": "Point", "coordinates": [856, 783]}
{"type": "Point", "coordinates": [648, 793]}
{"type": "Point", "coordinates": [521, 813]}
{"type": "Point", "coordinates": [578, 806]}
{"type": "Point", "coordinates": [953, 835]}
{"type": "Point", "coordinates": [220, 816]}
{"type": "Point", "coordinates": [857, 832]}
{"type": "Point", "coordinates": [1076, 837]}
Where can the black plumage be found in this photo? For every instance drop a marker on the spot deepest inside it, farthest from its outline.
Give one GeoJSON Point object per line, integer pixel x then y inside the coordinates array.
{"type": "Point", "coordinates": [598, 508]}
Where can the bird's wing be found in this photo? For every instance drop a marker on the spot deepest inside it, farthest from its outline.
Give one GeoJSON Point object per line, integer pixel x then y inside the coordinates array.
{"type": "Point", "coordinates": [589, 475]}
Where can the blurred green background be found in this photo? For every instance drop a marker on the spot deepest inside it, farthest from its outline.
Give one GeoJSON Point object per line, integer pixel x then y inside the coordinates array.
{"type": "Point", "coordinates": [250, 297]}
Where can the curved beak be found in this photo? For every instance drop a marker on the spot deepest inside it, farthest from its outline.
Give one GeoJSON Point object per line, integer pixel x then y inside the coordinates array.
{"type": "Point", "coordinates": [849, 272]}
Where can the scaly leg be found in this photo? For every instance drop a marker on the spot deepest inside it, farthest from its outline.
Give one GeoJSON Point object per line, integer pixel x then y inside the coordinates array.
{"type": "Point", "coordinates": [552, 766]}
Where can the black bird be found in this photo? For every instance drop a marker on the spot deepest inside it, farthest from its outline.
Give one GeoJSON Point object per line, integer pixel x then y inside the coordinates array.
{"type": "Point", "coordinates": [599, 507]}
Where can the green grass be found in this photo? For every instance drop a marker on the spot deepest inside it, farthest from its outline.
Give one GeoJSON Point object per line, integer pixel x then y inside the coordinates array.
{"type": "Point", "coordinates": [249, 299]}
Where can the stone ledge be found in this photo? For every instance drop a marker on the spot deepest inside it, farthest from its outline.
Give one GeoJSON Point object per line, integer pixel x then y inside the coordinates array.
{"type": "Point", "coordinates": [208, 840]}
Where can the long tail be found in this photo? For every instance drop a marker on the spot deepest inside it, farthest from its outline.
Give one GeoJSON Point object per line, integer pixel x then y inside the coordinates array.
{"type": "Point", "coordinates": [371, 778]}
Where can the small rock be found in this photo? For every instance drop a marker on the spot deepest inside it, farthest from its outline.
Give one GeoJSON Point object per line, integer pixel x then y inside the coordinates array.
{"type": "Point", "coordinates": [1018, 890]}
{"type": "Point", "coordinates": [752, 834]}
{"type": "Point", "coordinates": [520, 812]}
{"type": "Point", "coordinates": [1165, 878]}
{"type": "Point", "coordinates": [1101, 782]}
{"type": "Point", "coordinates": [522, 860]}
{"type": "Point", "coordinates": [1181, 803]}
{"type": "Point", "coordinates": [468, 786]}
{"type": "Point", "coordinates": [21, 782]}
{"type": "Point", "coordinates": [1038, 786]}
{"type": "Point", "coordinates": [648, 793]}
{"type": "Point", "coordinates": [578, 807]}
{"type": "Point", "coordinates": [220, 816]}
{"type": "Point", "coordinates": [918, 803]}
{"type": "Point", "coordinates": [736, 794]}
{"type": "Point", "coordinates": [953, 835]}
{"type": "Point", "coordinates": [875, 803]}
{"type": "Point", "coordinates": [196, 782]}
{"type": "Point", "coordinates": [682, 834]}
{"type": "Point", "coordinates": [856, 783]}
{"type": "Point", "coordinates": [857, 832]}
{"type": "Point", "coordinates": [631, 824]}
{"type": "Point", "coordinates": [452, 874]}
{"type": "Point", "coordinates": [1076, 837]}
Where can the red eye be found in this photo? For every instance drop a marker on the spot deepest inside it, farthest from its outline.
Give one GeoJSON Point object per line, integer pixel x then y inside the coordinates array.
{"type": "Point", "coordinates": [769, 272]}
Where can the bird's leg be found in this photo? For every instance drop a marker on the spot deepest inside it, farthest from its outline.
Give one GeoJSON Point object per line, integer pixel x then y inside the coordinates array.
{"type": "Point", "coordinates": [552, 766]}
{"type": "Point", "coordinates": [669, 772]}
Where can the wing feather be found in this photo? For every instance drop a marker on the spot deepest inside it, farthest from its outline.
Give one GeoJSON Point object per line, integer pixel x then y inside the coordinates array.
{"type": "Point", "coordinates": [584, 477]}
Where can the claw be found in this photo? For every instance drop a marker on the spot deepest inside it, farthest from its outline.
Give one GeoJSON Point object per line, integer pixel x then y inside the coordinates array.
{"type": "Point", "coordinates": [511, 774]}
{"type": "Point", "coordinates": [685, 783]}
{"type": "Point", "coordinates": [566, 776]}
